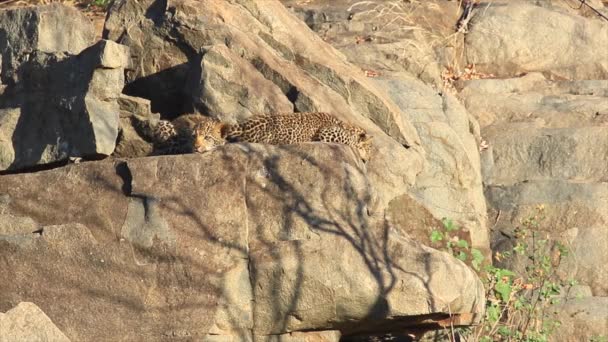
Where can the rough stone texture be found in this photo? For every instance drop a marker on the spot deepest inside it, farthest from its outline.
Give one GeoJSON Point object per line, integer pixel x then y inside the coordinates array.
{"type": "Point", "coordinates": [282, 244]}
{"type": "Point", "coordinates": [387, 36]}
{"type": "Point", "coordinates": [582, 319]}
{"type": "Point", "coordinates": [522, 152]}
{"type": "Point", "coordinates": [65, 106]}
{"type": "Point", "coordinates": [533, 98]}
{"type": "Point", "coordinates": [309, 336]}
{"type": "Point", "coordinates": [26, 322]}
{"type": "Point", "coordinates": [276, 52]}
{"type": "Point", "coordinates": [398, 40]}
{"type": "Point", "coordinates": [547, 145]}
{"type": "Point", "coordinates": [49, 29]}
{"type": "Point", "coordinates": [576, 214]}
{"type": "Point", "coordinates": [509, 39]}
{"type": "Point", "coordinates": [233, 90]}
{"type": "Point", "coordinates": [545, 142]}
{"type": "Point", "coordinates": [133, 111]}
{"type": "Point", "coordinates": [450, 183]}
{"type": "Point", "coordinates": [56, 104]}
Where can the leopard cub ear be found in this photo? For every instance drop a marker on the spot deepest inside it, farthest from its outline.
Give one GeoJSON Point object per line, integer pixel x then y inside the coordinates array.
{"type": "Point", "coordinates": [220, 129]}
{"type": "Point", "coordinates": [364, 137]}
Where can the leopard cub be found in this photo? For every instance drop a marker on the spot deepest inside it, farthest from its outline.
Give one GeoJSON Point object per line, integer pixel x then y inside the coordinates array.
{"type": "Point", "coordinates": [297, 128]}
{"type": "Point", "coordinates": [190, 133]}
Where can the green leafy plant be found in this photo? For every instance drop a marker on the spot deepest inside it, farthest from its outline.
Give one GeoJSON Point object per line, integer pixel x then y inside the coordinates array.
{"type": "Point", "coordinates": [517, 307]}
{"type": "Point", "coordinates": [448, 239]}
{"type": "Point", "coordinates": [103, 4]}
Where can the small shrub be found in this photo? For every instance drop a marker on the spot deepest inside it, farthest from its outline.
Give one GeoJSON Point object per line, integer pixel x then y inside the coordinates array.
{"type": "Point", "coordinates": [517, 307]}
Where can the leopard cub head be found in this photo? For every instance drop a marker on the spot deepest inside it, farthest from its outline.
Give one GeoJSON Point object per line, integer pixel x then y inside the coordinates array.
{"type": "Point", "coordinates": [207, 135]}
{"type": "Point", "coordinates": [364, 146]}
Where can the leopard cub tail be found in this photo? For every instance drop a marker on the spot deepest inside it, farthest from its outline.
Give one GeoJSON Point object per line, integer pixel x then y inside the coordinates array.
{"type": "Point", "coordinates": [156, 131]}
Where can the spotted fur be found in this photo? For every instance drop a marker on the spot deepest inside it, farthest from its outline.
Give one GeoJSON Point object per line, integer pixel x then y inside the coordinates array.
{"type": "Point", "coordinates": [300, 127]}
{"type": "Point", "coordinates": [187, 134]}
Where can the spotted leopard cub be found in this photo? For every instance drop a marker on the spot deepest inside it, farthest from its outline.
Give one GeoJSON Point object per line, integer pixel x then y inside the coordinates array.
{"type": "Point", "coordinates": [190, 133]}
{"type": "Point", "coordinates": [297, 128]}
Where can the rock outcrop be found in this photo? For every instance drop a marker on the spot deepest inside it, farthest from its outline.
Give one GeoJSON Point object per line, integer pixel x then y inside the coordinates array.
{"type": "Point", "coordinates": [192, 62]}
{"type": "Point", "coordinates": [547, 143]}
{"type": "Point", "coordinates": [507, 40]}
{"type": "Point", "coordinates": [540, 121]}
{"type": "Point", "coordinates": [58, 91]}
{"type": "Point", "coordinates": [302, 242]}
{"type": "Point", "coordinates": [243, 242]}
{"type": "Point", "coordinates": [376, 36]}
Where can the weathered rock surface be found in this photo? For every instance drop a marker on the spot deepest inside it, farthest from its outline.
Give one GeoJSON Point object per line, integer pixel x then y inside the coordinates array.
{"type": "Point", "coordinates": [193, 60]}
{"type": "Point", "coordinates": [450, 184]}
{"type": "Point", "coordinates": [133, 111]}
{"type": "Point", "coordinates": [534, 99]}
{"type": "Point", "coordinates": [378, 36]}
{"type": "Point", "coordinates": [50, 29]}
{"type": "Point", "coordinates": [547, 146]}
{"type": "Point", "coordinates": [233, 89]}
{"type": "Point", "coordinates": [584, 319]}
{"type": "Point", "coordinates": [242, 242]}
{"type": "Point", "coordinates": [26, 322]}
{"type": "Point", "coordinates": [312, 336]}
{"type": "Point", "coordinates": [507, 39]}
{"type": "Point", "coordinates": [386, 36]}
{"type": "Point", "coordinates": [301, 238]}
{"type": "Point", "coordinates": [55, 104]}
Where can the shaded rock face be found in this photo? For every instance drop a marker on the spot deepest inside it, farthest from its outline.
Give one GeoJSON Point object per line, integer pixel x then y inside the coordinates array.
{"type": "Point", "coordinates": [282, 244]}
{"type": "Point", "coordinates": [450, 184]}
{"type": "Point", "coordinates": [583, 319]}
{"type": "Point", "coordinates": [56, 104]}
{"type": "Point", "coordinates": [548, 158]}
{"type": "Point", "coordinates": [133, 112]}
{"type": "Point", "coordinates": [27, 30]}
{"type": "Point", "coordinates": [233, 89]}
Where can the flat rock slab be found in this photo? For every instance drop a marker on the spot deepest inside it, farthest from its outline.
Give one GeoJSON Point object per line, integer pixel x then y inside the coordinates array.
{"type": "Point", "coordinates": [26, 322]}
{"type": "Point", "coordinates": [508, 39]}
{"type": "Point", "coordinates": [241, 242]}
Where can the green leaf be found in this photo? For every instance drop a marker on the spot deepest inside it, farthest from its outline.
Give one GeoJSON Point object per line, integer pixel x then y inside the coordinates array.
{"type": "Point", "coordinates": [505, 331]}
{"type": "Point", "coordinates": [462, 256]}
{"type": "Point", "coordinates": [503, 289]}
{"type": "Point", "coordinates": [436, 236]}
{"type": "Point", "coordinates": [493, 313]}
{"type": "Point", "coordinates": [477, 258]}
{"type": "Point", "coordinates": [449, 225]}
{"type": "Point", "coordinates": [463, 244]}
{"type": "Point", "coordinates": [519, 303]}
{"type": "Point", "coordinates": [502, 272]}
{"type": "Point", "coordinates": [520, 248]}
